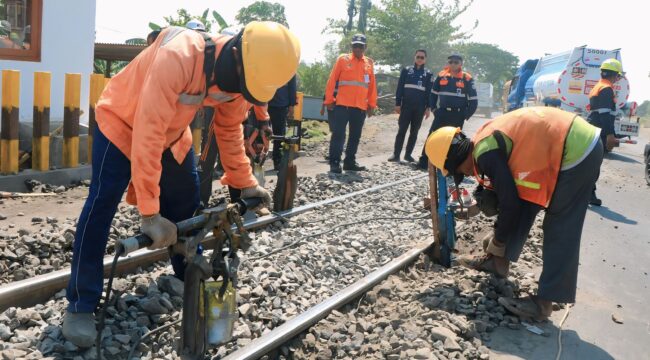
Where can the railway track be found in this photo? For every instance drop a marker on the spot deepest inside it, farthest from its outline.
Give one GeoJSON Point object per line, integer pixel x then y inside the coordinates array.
{"type": "Point", "coordinates": [39, 289]}
{"type": "Point", "coordinates": [297, 273]}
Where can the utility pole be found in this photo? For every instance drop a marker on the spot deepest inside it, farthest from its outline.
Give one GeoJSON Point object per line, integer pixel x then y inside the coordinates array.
{"type": "Point", "coordinates": [364, 7]}
{"type": "Point", "coordinates": [352, 12]}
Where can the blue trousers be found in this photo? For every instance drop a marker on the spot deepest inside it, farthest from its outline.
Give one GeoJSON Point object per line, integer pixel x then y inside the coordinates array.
{"type": "Point", "coordinates": [343, 116]}
{"type": "Point", "coordinates": [111, 173]}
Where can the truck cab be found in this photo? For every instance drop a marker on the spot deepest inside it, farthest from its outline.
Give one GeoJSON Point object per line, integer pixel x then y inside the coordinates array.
{"type": "Point", "coordinates": [517, 92]}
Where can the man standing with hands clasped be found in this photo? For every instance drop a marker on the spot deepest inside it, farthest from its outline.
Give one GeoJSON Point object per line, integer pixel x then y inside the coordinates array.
{"type": "Point", "coordinates": [453, 99]}
{"type": "Point", "coordinates": [356, 98]}
{"type": "Point", "coordinates": [412, 104]}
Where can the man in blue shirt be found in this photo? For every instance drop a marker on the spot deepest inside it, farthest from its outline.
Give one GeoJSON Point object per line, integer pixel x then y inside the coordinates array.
{"type": "Point", "coordinates": [411, 103]}
{"type": "Point", "coordinates": [279, 107]}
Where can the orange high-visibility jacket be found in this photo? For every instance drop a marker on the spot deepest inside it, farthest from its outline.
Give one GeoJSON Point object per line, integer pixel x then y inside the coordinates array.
{"type": "Point", "coordinates": [148, 106]}
{"type": "Point", "coordinates": [538, 135]}
{"type": "Point", "coordinates": [356, 83]}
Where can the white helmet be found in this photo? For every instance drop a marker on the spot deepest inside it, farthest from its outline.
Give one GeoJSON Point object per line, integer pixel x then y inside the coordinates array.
{"type": "Point", "coordinates": [195, 25]}
{"type": "Point", "coordinates": [231, 30]}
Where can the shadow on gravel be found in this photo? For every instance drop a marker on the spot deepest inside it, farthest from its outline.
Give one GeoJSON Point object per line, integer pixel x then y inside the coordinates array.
{"type": "Point", "coordinates": [521, 344]}
{"type": "Point", "coordinates": [347, 177]}
{"type": "Point", "coordinates": [621, 157]}
{"type": "Point", "coordinates": [612, 215]}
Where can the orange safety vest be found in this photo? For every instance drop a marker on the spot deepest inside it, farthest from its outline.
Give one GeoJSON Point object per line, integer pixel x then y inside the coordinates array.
{"type": "Point", "coordinates": [356, 83]}
{"type": "Point", "coordinates": [147, 107]}
{"type": "Point", "coordinates": [538, 135]}
{"type": "Point", "coordinates": [600, 86]}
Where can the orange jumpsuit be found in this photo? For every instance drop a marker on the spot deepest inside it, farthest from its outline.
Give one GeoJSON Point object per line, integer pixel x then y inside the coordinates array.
{"type": "Point", "coordinates": [149, 105]}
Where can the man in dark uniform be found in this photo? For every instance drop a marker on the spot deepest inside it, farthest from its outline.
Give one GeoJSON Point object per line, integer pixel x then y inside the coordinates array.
{"type": "Point", "coordinates": [602, 107]}
{"type": "Point", "coordinates": [279, 108]}
{"type": "Point", "coordinates": [453, 98]}
{"type": "Point", "coordinates": [411, 103]}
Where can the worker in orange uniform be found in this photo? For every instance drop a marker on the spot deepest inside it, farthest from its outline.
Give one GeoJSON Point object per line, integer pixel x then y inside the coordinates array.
{"type": "Point", "coordinates": [143, 142]}
{"type": "Point", "coordinates": [602, 108]}
{"type": "Point", "coordinates": [533, 158]}
{"type": "Point", "coordinates": [356, 98]}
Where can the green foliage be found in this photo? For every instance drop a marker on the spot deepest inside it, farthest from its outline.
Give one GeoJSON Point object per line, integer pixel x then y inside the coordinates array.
{"type": "Point", "coordinates": [312, 79]}
{"type": "Point", "coordinates": [397, 28]}
{"type": "Point", "coordinates": [262, 11]}
{"type": "Point", "coordinates": [488, 63]}
{"type": "Point", "coordinates": [183, 17]}
{"type": "Point", "coordinates": [136, 41]}
{"type": "Point", "coordinates": [99, 67]}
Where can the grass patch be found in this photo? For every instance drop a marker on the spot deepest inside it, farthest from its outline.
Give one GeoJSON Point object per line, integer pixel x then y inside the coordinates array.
{"type": "Point", "coordinates": [314, 131]}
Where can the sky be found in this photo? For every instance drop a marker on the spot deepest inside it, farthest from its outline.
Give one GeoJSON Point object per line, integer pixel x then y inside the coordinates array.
{"type": "Point", "coordinates": [527, 28]}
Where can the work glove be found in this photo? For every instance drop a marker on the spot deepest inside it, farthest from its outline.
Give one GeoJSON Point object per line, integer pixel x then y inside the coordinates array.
{"type": "Point", "coordinates": [257, 192]}
{"type": "Point", "coordinates": [162, 231]}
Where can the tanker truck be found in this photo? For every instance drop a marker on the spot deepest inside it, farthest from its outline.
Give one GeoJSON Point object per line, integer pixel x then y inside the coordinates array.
{"type": "Point", "coordinates": [564, 80]}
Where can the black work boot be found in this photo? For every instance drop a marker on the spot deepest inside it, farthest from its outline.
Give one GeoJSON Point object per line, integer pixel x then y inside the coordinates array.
{"type": "Point", "coordinates": [353, 167]}
{"type": "Point", "coordinates": [335, 167]}
{"type": "Point", "coordinates": [394, 158]}
{"type": "Point", "coordinates": [409, 158]}
{"type": "Point", "coordinates": [595, 201]}
{"type": "Point", "coordinates": [422, 163]}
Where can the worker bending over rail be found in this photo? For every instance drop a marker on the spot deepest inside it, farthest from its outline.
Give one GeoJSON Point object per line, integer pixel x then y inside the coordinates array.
{"type": "Point", "coordinates": [530, 159]}
{"type": "Point", "coordinates": [143, 142]}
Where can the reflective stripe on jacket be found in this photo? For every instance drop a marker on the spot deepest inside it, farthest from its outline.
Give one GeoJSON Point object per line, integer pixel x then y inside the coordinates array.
{"type": "Point", "coordinates": [414, 87]}
{"type": "Point", "coordinates": [537, 136]}
{"type": "Point", "coordinates": [454, 91]}
{"type": "Point", "coordinates": [356, 83]}
{"type": "Point", "coordinates": [148, 106]}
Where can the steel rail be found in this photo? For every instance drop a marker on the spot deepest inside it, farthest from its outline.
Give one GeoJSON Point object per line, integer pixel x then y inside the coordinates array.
{"type": "Point", "coordinates": [40, 288]}
{"type": "Point", "coordinates": [287, 331]}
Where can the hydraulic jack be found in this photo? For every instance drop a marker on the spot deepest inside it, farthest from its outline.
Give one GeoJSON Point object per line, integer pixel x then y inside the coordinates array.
{"type": "Point", "coordinates": [209, 307]}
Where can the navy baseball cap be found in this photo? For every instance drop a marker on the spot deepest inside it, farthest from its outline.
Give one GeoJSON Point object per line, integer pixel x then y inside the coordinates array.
{"type": "Point", "coordinates": [359, 39]}
{"type": "Point", "coordinates": [455, 56]}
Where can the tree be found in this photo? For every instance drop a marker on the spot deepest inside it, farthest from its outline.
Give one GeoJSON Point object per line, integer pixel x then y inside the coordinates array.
{"type": "Point", "coordinates": [488, 63]}
{"type": "Point", "coordinates": [183, 17]}
{"type": "Point", "coordinates": [399, 27]}
{"type": "Point", "coordinates": [312, 79]}
{"type": "Point", "coordinates": [396, 28]}
{"type": "Point", "coordinates": [262, 11]}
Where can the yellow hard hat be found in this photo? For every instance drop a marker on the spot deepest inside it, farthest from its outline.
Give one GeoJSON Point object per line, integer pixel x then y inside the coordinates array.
{"type": "Point", "coordinates": [438, 144]}
{"type": "Point", "coordinates": [612, 65]}
{"type": "Point", "coordinates": [270, 56]}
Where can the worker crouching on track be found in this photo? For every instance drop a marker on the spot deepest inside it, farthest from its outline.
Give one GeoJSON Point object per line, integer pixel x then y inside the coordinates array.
{"type": "Point", "coordinates": [453, 99]}
{"type": "Point", "coordinates": [412, 104]}
{"type": "Point", "coordinates": [602, 108]}
{"type": "Point", "coordinates": [143, 141]}
{"type": "Point", "coordinates": [356, 97]}
{"type": "Point", "coordinates": [533, 158]}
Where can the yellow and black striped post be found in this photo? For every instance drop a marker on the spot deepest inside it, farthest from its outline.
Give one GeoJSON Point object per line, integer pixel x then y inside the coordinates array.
{"type": "Point", "coordinates": [96, 87]}
{"type": "Point", "coordinates": [10, 125]}
{"type": "Point", "coordinates": [71, 103]}
{"type": "Point", "coordinates": [41, 134]}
